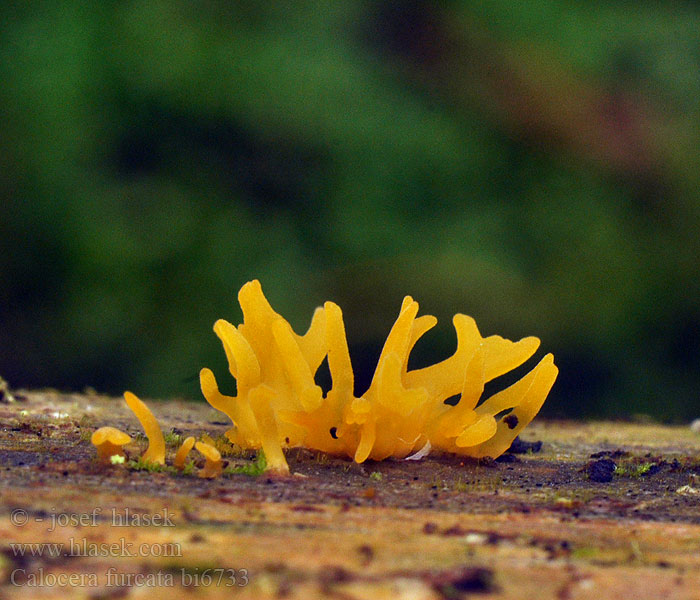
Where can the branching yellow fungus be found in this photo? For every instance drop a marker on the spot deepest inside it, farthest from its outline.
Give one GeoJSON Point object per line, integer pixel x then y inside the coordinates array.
{"type": "Point", "coordinates": [212, 466]}
{"type": "Point", "coordinates": [278, 403]}
{"type": "Point", "coordinates": [109, 442]}
{"type": "Point", "coordinates": [155, 452]}
{"type": "Point", "coordinates": [402, 414]}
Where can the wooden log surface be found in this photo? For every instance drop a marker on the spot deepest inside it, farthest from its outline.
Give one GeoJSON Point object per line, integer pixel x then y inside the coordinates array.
{"type": "Point", "coordinates": [553, 523]}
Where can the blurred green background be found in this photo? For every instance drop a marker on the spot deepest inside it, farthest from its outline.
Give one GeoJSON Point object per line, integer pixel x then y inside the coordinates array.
{"type": "Point", "coordinates": [534, 165]}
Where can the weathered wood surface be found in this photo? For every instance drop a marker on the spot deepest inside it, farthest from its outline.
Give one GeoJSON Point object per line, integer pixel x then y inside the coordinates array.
{"type": "Point", "coordinates": [438, 528]}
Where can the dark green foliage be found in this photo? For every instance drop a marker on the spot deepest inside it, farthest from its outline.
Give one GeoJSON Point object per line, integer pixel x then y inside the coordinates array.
{"type": "Point", "coordinates": [534, 165]}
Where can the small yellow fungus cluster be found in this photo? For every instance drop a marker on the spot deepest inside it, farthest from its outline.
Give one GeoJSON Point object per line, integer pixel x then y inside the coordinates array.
{"type": "Point", "coordinates": [213, 466]}
{"type": "Point", "coordinates": [109, 442]}
{"type": "Point", "coordinates": [278, 403]}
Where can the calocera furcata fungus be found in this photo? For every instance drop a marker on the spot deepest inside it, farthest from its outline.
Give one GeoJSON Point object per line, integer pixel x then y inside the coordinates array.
{"type": "Point", "coordinates": [278, 403]}
{"type": "Point", "coordinates": [212, 466]}
{"type": "Point", "coordinates": [183, 451]}
{"type": "Point", "coordinates": [155, 453]}
{"type": "Point", "coordinates": [109, 442]}
{"type": "Point", "coordinates": [403, 413]}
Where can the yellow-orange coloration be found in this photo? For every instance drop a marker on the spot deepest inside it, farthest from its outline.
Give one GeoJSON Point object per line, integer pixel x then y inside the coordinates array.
{"type": "Point", "coordinates": [212, 466]}
{"type": "Point", "coordinates": [109, 442]}
{"type": "Point", "coordinates": [155, 452]}
{"type": "Point", "coordinates": [183, 451]}
{"type": "Point", "coordinates": [278, 403]}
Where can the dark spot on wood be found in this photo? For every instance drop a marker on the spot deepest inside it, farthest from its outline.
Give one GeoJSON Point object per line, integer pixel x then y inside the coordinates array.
{"type": "Point", "coordinates": [520, 447]}
{"type": "Point", "coordinates": [493, 538]}
{"type": "Point", "coordinates": [429, 528]}
{"type": "Point", "coordinates": [367, 553]}
{"type": "Point", "coordinates": [610, 454]}
{"type": "Point", "coordinates": [306, 508]}
{"type": "Point", "coordinates": [507, 458]}
{"type": "Point", "coordinates": [456, 582]}
{"type": "Point", "coordinates": [455, 530]}
{"type": "Point", "coordinates": [654, 469]}
{"type": "Point", "coordinates": [335, 574]}
{"type": "Point", "coordinates": [601, 470]}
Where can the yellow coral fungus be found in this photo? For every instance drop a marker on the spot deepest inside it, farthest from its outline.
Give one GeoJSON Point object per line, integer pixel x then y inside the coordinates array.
{"type": "Point", "coordinates": [155, 453]}
{"type": "Point", "coordinates": [212, 466]}
{"type": "Point", "coordinates": [183, 451]}
{"type": "Point", "coordinates": [109, 442]}
{"type": "Point", "coordinates": [278, 403]}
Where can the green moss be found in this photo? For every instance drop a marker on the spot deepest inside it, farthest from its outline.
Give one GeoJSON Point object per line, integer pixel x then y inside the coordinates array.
{"type": "Point", "coordinates": [631, 469]}
{"type": "Point", "coordinates": [226, 448]}
{"type": "Point", "coordinates": [144, 465]}
{"type": "Point", "coordinates": [255, 469]}
{"type": "Point", "coordinates": [172, 439]}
